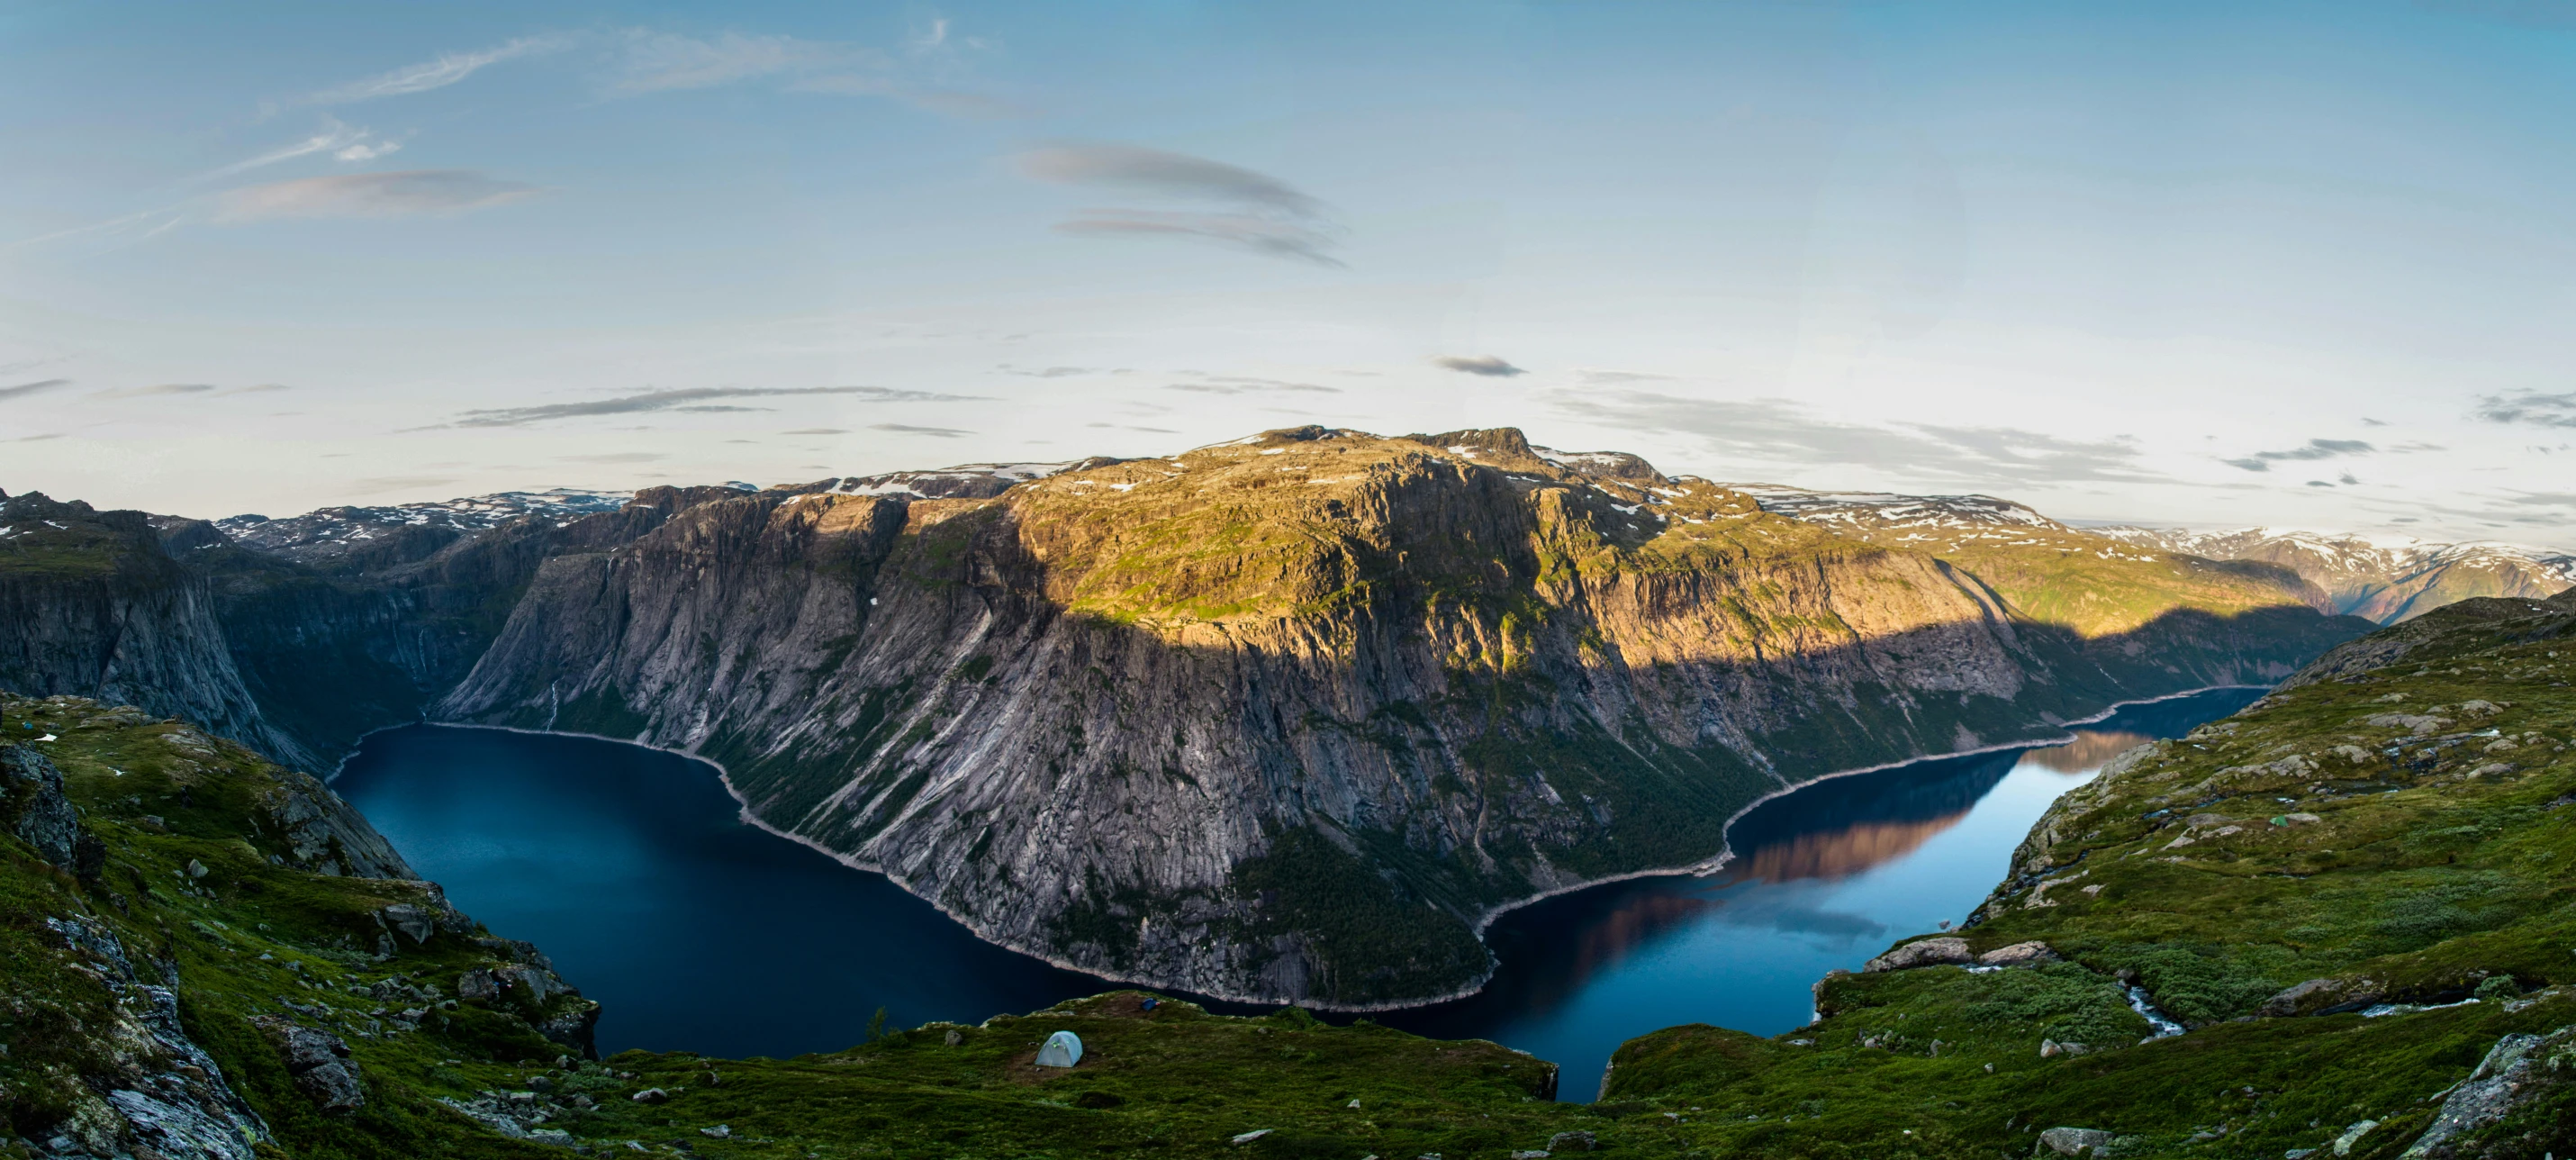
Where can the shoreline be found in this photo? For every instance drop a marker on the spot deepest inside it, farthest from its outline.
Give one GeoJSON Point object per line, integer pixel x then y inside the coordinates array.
{"type": "Point", "coordinates": [1483, 921]}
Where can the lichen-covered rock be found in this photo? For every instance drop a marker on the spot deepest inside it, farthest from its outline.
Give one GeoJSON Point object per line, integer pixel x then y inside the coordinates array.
{"type": "Point", "coordinates": [2074, 1141]}
{"type": "Point", "coordinates": [1922, 953]}
{"type": "Point", "coordinates": [319, 1061]}
{"type": "Point", "coordinates": [34, 808]}
{"type": "Point", "coordinates": [2018, 954]}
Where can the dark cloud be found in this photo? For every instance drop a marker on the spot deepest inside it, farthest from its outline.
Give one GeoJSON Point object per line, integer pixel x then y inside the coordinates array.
{"type": "Point", "coordinates": [1779, 431]}
{"type": "Point", "coordinates": [2367, 421]}
{"type": "Point", "coordinates": [1247, 210]}
{"type": "Point", "coordinates": [34, 438]}
{"type": "Point", "coordinates": [368, 195]}
{"type": "Point", "coordinates": [909, 429]}
{"type": "Point", "coordinates": [2529, 408]}
{"type": "Point", "coordinates": [23, 390]}
{"type": "Point", "coordinates": [2316, 449]}
{"type": "Point", "coordinates": [689, 399]}
{"type": "Point", "coordinates": [1478, 364]}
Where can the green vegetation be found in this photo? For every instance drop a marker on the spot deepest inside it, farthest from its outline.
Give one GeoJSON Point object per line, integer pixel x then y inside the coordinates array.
{"type": "Point", "coordinates": [2394, 837]}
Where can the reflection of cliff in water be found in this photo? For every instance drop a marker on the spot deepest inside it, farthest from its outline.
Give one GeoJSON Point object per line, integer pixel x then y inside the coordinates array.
{"type": "Point", "coordinates": [2090, 750]}
{"type": "Point", "coordinates": [1848, 824]}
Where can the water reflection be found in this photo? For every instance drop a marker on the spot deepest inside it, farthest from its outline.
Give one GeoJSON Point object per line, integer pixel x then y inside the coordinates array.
{"type": "Point", "coordinates": [1823, 877]}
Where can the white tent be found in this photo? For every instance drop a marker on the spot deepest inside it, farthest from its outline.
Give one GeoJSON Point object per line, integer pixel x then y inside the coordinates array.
{"type": "Point", "coordinates": [1063, 1049]}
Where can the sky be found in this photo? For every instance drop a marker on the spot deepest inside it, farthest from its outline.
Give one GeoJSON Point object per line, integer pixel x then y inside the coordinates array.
{"type": "Point", "coordinates": [2302, 265]}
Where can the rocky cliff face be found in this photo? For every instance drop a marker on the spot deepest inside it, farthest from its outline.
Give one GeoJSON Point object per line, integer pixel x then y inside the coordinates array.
{"type": "Point", "coordinates": [91, 604]}
{"type": "Point", "coordinates": [1287, 718]}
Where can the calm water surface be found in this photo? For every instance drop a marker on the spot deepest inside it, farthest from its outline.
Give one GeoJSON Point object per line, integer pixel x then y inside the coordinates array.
{"type": "Point", "coordinates": [631, 869]}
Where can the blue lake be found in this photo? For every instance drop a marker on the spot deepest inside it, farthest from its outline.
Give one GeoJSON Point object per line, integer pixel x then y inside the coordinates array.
{"type": "Point", "coordinates": [631, 868]}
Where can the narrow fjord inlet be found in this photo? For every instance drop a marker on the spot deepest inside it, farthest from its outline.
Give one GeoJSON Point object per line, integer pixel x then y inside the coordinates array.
{"type": "Point", "coordinates": [682, 921]}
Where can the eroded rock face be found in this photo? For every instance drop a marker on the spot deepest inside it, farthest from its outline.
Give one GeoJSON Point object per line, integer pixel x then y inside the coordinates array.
{"type": "Point", "coordinates": [34, 808]}
{"type": "Point", "coordinates": [1166, 719]}
{"type": "Point", "coordinates": [159, 1090]}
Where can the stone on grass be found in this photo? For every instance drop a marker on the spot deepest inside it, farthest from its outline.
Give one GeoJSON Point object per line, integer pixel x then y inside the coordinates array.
{"type": "Point", "coordinates": [1921, 953]}
{"type": "Point", "coordinates": [1250, 1136]}
{"type": "Point", "coordinates": [2017, 954]}
{"type": "Point", "coordinates": [2074, 1141]}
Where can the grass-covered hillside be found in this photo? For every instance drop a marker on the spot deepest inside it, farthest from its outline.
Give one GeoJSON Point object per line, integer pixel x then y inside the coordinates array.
{"type": "Point", "coordinates": [2313, 888]}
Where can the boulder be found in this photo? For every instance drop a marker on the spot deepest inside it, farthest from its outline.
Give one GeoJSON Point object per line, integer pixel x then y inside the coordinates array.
{"type": "Point", "coordinates": [34, 807]}
{"type": "Point", "coordinates": [2017, 955]}
{"type": "Point", "coordinates": [1921, 953]}
{"type": "Point", "coordinates": [319, 1061]}
{"type": "Point", "coordinates": [1571, 1142]}
{"type": "Point", "coordinates": [2074, 1141]}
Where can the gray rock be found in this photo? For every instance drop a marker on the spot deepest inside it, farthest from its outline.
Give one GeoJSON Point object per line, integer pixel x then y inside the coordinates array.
{"type": "Point", "coordinates": [2074, 1141]}
{"type": "Point", "coordinates": [414, 922]}
{"type": "Point", "coordinates": [2502, 1081]}
{"type": "Point", "coordinates": [1571, 1142]}
{"type": "Point", "coordinates": [1921, 953]}
{"type": "Point", "coordinates": [34, 807]}
{"type": "Point", "coordinates": [651, 1096]}
{"type": "Point", "coordinates": [319, 1061]}
{"type": "Point", "coordinates": [2343, 1144]}
{"type": "Point", "coordinates": [2018, 954]}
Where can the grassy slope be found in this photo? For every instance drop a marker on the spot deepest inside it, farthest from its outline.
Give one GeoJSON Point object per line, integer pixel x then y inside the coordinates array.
{"type": "Point", "coordinates": [1175, 1081]}
{"type": "Point", "coordinates": [2438, 864]}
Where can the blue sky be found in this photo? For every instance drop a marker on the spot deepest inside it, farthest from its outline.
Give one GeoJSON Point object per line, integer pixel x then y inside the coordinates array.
{"type": "Point", "coordinates": [2305, 265]}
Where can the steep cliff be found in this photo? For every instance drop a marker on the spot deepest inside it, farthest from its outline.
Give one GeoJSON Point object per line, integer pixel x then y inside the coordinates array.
{"type": "Point", "coordinates": [91, 604]}
{"type": "Point", "coordinates": [1289, 717]}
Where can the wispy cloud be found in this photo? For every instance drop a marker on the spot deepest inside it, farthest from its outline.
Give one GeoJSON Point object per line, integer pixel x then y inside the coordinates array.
{"type": "Point", "coordinates": [1779, 431]}
{"type": "Point", "coordinates": [909, 429]}
{"type": "Point", "coordinates": [440, 72]}
{"type": "Point", "coordinates": [658, 61]}
{"type": "Point", "coordinates": [384, 483]}
{"type": "Point", "coordinates": [156, 389]}
{"type": "Point", "coordinates": [816, 431]}
{"type": "Point", "coordinates": [23, 390]}
{"type": "Point", "coordinates": [2530, 409]}
{"type": "Point", "coordinates": [1239, 385]}
{"type": "Point", "coordinates": [615, 457]}
{"type": "Point", "coordinates": [368, 195]}
{"type": "Point", "coordinates": [1487, 365]}
{"type": "Point", "coordinates": [339, 140]}
{"type": "Point", "coordinates": [2315, 449]}
{"type": "Point", "coordinates": [1250, 210]}
{"type": "Point", "coordinates": [696, 399]}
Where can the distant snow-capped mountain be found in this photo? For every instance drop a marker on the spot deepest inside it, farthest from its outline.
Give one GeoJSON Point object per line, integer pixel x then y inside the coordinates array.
{"type": "Point", "coordinates": [2382, 582]}
{"type": "Point", "coordinates": [2385, 583]}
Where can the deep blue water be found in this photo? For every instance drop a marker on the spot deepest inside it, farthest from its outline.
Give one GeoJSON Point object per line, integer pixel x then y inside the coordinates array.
{"type": "Point", "coordinates": [696, 932]}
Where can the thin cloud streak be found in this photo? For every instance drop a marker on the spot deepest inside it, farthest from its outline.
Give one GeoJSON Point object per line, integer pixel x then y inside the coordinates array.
{"type": "Point", "coordinates": [1490, 366]}
{"type": "Point", "coordinates": [1779, 431]}
{"type": "Point", "coordinates": [687, 399]}
{"type": "Point", "coordinates": [1259, 213]}
{"type": "Point", "coordinates": [438, 73]}
{"type": "Point", "coordinates": [23, 390]}
{"type": "Point", "coordinates": [909, 429]}
{"type": "Point", "coordinates": [2315, 449]}
{"type": "Point", "coordinates": [368, 195]}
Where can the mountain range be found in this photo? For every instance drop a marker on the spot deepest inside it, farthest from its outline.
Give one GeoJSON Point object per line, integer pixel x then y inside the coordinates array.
{"type": "Point", "coordinates": [2353, 575]}
{"type": "Point", "coordinates": [1285, 718]}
